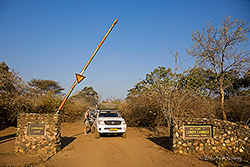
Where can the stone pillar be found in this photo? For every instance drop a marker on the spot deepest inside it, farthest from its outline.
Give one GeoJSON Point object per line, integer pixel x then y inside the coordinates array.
{"type": "Point", "coordinates": [227, 139]}
{"type": "Point", "coordinates": [38, 133]}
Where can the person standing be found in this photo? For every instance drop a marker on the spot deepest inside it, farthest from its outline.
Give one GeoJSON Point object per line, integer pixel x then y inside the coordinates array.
{"type": "Point", "coordinates": [86, 122]}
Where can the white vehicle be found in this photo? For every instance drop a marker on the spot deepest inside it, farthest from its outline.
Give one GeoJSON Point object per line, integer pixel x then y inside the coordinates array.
{"type": "Point", "coordinates": [109, 122]}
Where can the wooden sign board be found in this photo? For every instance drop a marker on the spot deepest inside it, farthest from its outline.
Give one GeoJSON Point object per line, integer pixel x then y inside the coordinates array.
{"type": "Point", "coordinates": [36, 129]}
{"type": "Point", "coordinates": [197, 131]}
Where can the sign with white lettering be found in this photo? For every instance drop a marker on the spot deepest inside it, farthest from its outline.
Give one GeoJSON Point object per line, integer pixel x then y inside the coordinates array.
{"type": "Point", "coordinates": [36, 129]}
{"type": "Point", "coordinates": [197, 131]}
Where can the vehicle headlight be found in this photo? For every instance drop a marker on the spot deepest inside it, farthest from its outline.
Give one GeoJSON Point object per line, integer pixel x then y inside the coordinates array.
{"type": "Point", "coordinates": [100, 122]}
{"type": "Point", "coordinates": [123, 122]}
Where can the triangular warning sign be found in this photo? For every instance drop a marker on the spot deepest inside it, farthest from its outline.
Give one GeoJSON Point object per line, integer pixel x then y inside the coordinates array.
{"type": "Point", "coordinates": [79, 78]}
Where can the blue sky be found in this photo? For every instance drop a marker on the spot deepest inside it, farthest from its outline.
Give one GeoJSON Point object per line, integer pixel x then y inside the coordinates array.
{"type": "Point", "coordinates": [53, 39]}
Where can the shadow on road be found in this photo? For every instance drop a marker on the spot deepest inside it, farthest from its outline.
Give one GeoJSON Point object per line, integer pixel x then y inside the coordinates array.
{"type": "Point", "coordinates": [7, 138]}
{"type": "Point", "coordinates": [66, 141]}
{"type": "Point", "coordinates": [164, 142]}
{"type": "Point", "coordinates": [110, 135]}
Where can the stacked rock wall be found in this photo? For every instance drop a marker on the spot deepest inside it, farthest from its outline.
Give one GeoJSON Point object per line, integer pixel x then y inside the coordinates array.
{"type": "Point", "coordinates": [227, 138]}
{"type": "Point", "coordinates": [38, 133]}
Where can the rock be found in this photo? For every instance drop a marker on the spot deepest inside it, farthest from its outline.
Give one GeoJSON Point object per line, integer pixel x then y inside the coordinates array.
{"type": "Point", "coordinates": [177, 134]}
{"type": "Point", "coordinates": [224, 148]}
{"type": "Point", "coordinates": [27, 144]}
{"type": "Point", "coordinates": [180, 151]}
{"type": "Point", "coordinates": [192, 148]}
{"type": "Point", "coordinates": [236, 149]}
{"type": "Point", "coordinates": [175, 151]}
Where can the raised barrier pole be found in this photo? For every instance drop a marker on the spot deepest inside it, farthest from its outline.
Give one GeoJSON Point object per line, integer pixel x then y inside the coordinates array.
{"type": "Point", "coordinates": [79, 77]}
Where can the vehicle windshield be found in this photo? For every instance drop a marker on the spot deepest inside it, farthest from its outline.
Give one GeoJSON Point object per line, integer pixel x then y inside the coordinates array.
{"type": "Point", "coordinates": [108, 115]}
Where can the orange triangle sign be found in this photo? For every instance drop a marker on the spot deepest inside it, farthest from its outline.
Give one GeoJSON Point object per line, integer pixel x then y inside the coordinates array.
{"type": "Point", "coordinates": [79, 78]}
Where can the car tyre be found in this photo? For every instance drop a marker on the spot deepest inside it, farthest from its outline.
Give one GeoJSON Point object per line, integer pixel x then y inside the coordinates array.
{"type": "Point", "coordinates": [124, 135]}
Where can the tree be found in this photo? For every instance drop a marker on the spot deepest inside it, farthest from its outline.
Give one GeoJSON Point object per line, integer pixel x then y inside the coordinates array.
{"type": "Point", "coordinates": [46, 85]}
{"type": "Point", "coordinates": [150, 98]}
{"type": "Point", "coordinates": [199, 80]}
{"type": "Point", "coordinates": [11, 91]}
{"type": "Point", "coordinates": [89, 95]}
{"type": "Point", "coordinates": [160, 75]}
{"type": "Point", "coordinates": [6, 83]}
{"type": "Point", "coordinates": [241, 85]}
{"type": "Point", "coordinates": [221, 50]}
{"type": "Point", "coordinates": [160, 96]}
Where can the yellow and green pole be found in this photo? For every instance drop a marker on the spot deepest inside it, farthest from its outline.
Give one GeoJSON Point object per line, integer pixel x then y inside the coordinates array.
{"type": "Point", "coordinates": [79, 77]}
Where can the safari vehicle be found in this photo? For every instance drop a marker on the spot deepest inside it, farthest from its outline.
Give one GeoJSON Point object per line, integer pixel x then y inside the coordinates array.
{"type": "Point", "coordinates": [109, 121]}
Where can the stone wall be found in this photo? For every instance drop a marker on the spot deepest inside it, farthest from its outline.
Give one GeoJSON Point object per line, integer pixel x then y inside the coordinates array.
{"type": "Point", "coordinates": [38, 133]}
{"type": "Point", "coordinates": [227, 138]}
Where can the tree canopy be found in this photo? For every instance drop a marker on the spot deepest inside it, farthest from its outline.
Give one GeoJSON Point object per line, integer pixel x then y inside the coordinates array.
{"type": "Point", "coordinates": [222, 51]}
{"type": "Point", "coordinates": [6, 82]}
{"type": "Point", "coordinates": [160, 75]}
{"type": "Point", "coordinates": [46, 85]}
{"type": "Point", "coordinates": [88, 94]}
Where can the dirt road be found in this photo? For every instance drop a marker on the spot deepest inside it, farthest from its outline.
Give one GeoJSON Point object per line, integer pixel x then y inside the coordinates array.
{"type": "Point", "coordinates": [134, 151]}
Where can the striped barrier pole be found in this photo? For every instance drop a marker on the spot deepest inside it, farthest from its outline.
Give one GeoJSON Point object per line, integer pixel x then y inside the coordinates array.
{"type": "Point", "coordinates": [79, 77]}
